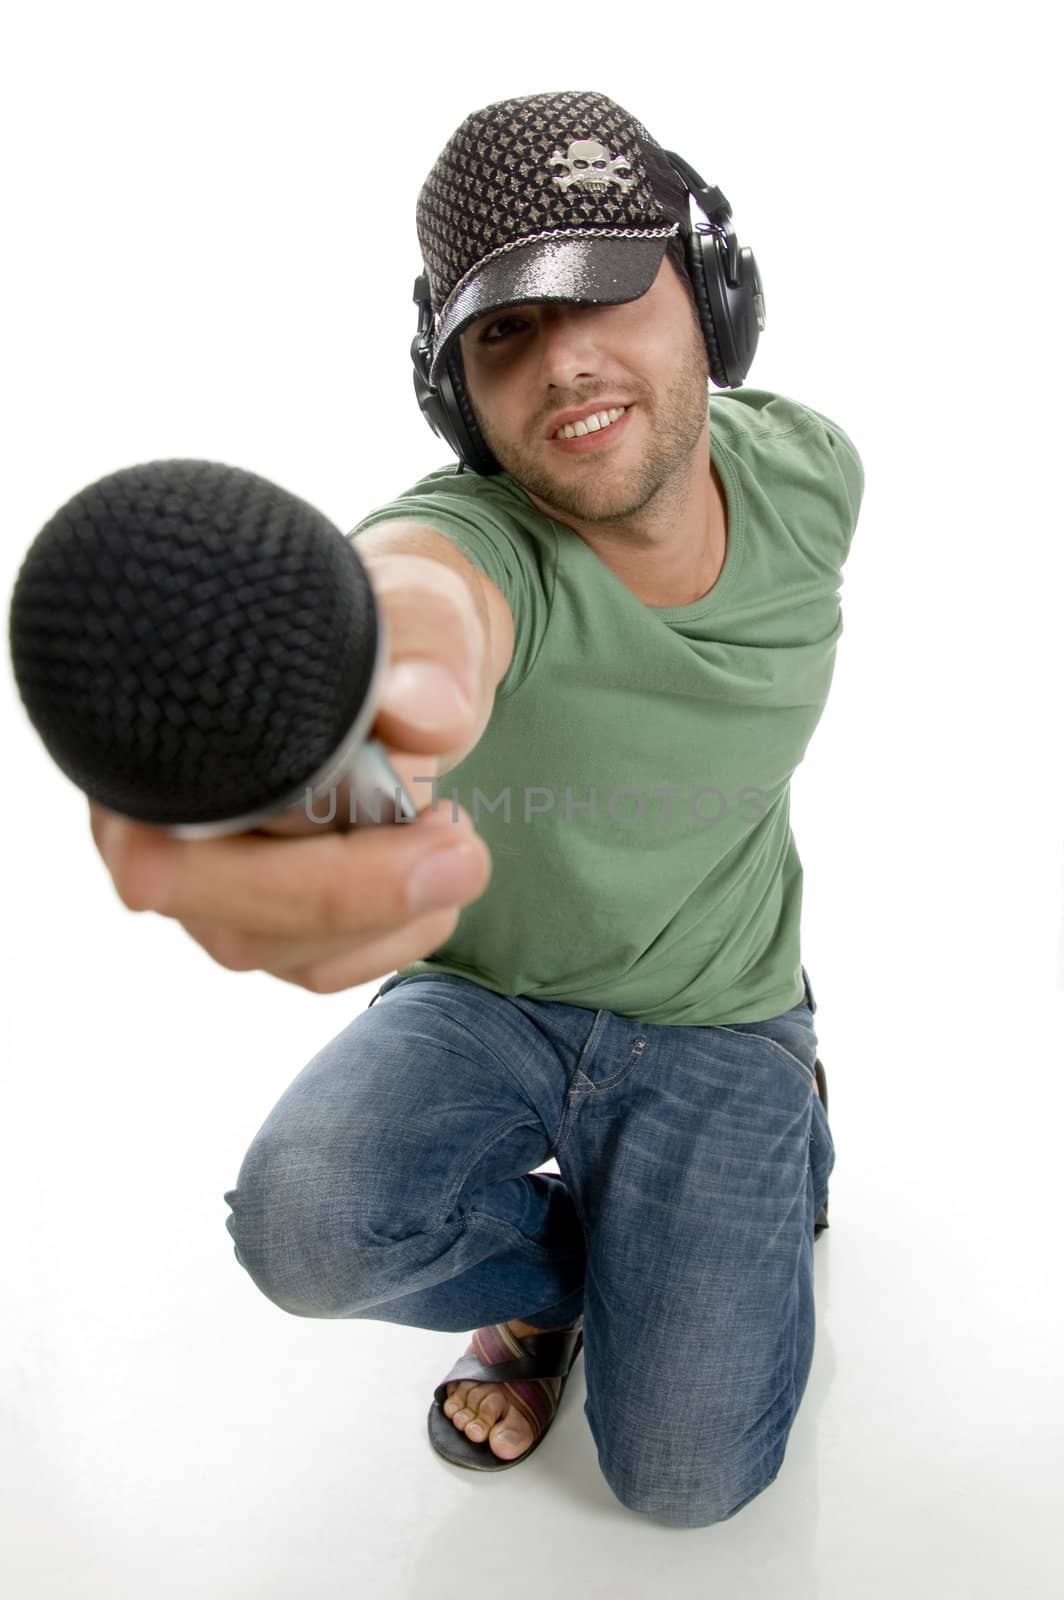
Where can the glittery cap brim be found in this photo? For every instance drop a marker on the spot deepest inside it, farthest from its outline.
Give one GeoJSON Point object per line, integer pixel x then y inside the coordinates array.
{"type": "Point", "coordinates": [585, 270]}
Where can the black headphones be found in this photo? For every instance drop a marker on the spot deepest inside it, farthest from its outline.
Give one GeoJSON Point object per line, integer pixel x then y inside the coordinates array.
{"type": "Point", "coordinates": [731, 311]}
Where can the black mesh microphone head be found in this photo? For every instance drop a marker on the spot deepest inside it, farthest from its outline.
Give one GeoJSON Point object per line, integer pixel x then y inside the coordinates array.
{"type": "Point", "coordinates": [191, 642]}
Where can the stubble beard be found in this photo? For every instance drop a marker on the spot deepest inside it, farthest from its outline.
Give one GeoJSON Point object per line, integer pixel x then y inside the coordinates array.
{"type": "Point", "coordinates": [675, 426]}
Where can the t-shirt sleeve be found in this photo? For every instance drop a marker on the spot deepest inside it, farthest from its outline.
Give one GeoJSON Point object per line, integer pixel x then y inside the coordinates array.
{"type": "Point", "coordinates": [850, 467]}
{"type": "Point", "coordinates": [489, 533]}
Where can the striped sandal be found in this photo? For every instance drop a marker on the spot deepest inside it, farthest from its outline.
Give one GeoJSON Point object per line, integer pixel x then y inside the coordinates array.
{"type": "Point", "coordinates": [523, 1365]}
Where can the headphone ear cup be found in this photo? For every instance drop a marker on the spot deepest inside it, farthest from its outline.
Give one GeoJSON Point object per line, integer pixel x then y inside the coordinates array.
{"type": "Point", "coordinates": [731, 317]}
{"type": "Point", "coordinates": [468, 441]}
{"type": "Point", "coordinates": [445, 405]}
{"type": "Point", "coordinates": [701, 272]}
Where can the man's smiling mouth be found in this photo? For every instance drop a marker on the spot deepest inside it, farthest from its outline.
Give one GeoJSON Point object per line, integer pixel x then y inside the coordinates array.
{"type": "Point", "coordinates": [594, 423]}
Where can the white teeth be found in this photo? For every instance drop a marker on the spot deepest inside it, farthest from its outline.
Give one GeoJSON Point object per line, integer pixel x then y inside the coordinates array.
{"type": "Point", "coordinates": [593, 424]}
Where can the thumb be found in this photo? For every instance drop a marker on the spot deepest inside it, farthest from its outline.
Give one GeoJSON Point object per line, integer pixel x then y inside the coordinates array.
{"type": "Point", "coordinates": [423, 693]}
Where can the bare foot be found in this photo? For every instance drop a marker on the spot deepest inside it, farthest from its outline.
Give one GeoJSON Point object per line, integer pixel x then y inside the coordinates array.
{"type": "Point", "coordinates": [488, 1410]}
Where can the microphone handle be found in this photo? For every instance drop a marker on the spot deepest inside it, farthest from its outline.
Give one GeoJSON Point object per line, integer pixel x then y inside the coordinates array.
{"type": "Point", "coordinates": [367, 792]}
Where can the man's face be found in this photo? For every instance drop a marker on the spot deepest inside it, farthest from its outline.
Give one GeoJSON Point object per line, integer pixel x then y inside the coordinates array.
{"type": "Point", "coordinates": [531, 368]}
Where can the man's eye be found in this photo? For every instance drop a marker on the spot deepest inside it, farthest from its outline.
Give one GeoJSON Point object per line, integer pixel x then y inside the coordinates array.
{"type": "Point", "coordinates": [500, 329]}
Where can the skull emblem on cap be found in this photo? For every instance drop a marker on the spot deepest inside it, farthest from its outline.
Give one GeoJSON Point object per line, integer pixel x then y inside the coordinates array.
{"type": "Point", "coordinates": [590, 166]}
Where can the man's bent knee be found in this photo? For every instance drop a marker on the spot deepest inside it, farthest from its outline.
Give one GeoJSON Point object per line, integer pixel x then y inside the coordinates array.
{"type": "Point", "coordinates": [685, 1505]}
{"type": "Point", "coordinates": [299, 1249]}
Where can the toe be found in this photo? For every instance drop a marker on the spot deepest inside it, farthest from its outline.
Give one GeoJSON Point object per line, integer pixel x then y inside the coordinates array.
{"type": "Point", "coordinates": [494, 1403]}
{"type": "Point", "coordinates": [511, 1436]}
{"type": "Point", "coordinates": [456, 1397]}
{"type": "Point", "coordinates": [488, 1412]}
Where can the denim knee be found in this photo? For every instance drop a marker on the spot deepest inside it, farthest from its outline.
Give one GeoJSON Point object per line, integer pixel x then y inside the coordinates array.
{"type": "Point", "coordinates": [685, 1506]}
{"type": "Point", "coordinates": [680, 1499]}
{"type": "Point", "coordinates": [250, 1231]}
{"type": "Point", "coordinates": [285, 1235]}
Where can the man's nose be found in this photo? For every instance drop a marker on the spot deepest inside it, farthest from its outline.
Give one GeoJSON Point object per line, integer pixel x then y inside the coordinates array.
{"type": "Point", "coordinates": [569, 344]}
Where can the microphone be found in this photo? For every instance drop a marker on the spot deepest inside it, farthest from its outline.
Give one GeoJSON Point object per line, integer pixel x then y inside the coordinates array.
{"type": "Point", "coordinates": [200, 650]}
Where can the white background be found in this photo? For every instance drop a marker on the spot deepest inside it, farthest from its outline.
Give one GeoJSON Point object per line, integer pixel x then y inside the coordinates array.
{"type": "Point", "coordinates": [210, 250]}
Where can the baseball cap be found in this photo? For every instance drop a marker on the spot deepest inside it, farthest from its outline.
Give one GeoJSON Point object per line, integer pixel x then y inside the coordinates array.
{"type": "Point", "coordinates": [545, 197]}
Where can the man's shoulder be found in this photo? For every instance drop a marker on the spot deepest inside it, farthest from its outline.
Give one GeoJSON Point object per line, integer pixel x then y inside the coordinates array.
{"type": "Point", "coordinates": [763, 426]}
{"type": "Point", "coordinates": [490, 518]}
{"type": "Point", "coordinates": [496, 494]}
{"type": "Point", "coordinates": [764, 413]}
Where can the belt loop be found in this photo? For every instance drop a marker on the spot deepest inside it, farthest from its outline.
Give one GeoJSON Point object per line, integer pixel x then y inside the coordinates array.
{"type": "Point", "coordinates": [809, 997]}
{"type": "Point", "coordinates": [389, 983]}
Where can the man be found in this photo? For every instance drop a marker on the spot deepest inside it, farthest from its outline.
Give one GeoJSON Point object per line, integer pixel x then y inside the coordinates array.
{"type": "Point", "coordinates": [642, 609]}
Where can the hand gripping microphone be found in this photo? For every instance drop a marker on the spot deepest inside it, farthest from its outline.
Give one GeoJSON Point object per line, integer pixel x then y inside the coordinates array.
{"type": "Point", "coordinates": [201, 650]}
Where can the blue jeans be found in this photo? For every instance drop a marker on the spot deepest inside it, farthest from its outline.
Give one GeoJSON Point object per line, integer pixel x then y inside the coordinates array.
{"type": "Point", "coordinates": [393, 1182]}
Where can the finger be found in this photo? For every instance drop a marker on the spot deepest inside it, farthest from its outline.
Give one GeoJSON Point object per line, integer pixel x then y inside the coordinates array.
{"type": "Point", "coordinates": [240, 951]}
{"type": "Point", "coordinates": [325, 886]}
{"type": "Point", "coordinates": [437, 649]}
{"type": "Point", "coordinates": [423, 708]}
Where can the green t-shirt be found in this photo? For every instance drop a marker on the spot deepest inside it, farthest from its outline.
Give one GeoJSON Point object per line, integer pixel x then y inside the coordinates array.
{"type": "Point", "coordinates": [633, 783]}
